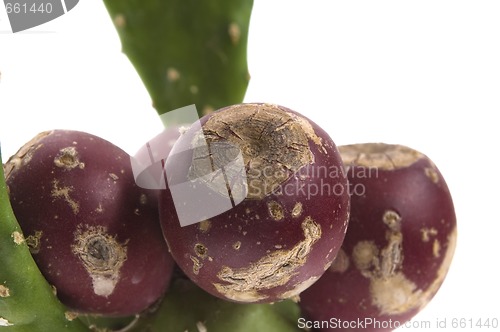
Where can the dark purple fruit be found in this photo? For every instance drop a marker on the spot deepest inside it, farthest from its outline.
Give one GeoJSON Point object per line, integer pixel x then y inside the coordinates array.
{"type": "Point", "coordinates": [290, 213]}
{"type": "Point", "coordinates": [399, 245]}
{"type": "Point", "coordinates": [94, 234]}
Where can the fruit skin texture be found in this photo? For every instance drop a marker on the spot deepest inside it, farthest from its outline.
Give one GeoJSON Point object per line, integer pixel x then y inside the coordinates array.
{"type": "Point", "coordinates": [284, 234]}
{"type": "Point", "coordinates": [93, 233]}
{"type": "Point", "coordinates": [399, 245]}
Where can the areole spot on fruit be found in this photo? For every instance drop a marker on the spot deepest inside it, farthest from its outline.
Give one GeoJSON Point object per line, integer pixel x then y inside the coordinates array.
{"type": "Point", "coordinates": [275, 210]}
{"type": "Point", "coordinates": [200, 250]}
{"type": "Point", "coordinates": [102, 256]}
{"type": "Point", "coordinates": [341, 262]}
{"type": "Point", "coordinates": [297, 210]}
{"type": "Point", "coordinates": [237, 245]}
{"type": "Point", "coordinates": [432, 174]}
{"type": "Point", "coordinates": [393, 220]}
{"type": "Point", "coordinates": [33, 242]}
{"type": "Point", "coordinates": [68, 159]}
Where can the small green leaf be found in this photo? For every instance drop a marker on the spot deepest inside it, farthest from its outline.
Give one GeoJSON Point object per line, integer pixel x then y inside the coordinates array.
{"type": "Point", "coordinates": [186, 51]}
{"type": "Point", "coordinates": [27, 301]}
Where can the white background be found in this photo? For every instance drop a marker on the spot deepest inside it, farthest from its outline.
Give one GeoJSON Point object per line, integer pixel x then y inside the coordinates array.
{"type": "Point", "coordinates": [421, 73]}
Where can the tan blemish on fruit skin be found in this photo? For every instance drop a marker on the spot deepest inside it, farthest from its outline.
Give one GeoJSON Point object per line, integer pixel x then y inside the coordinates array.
{"type": "Point", "coordinates": [391, 256]}
{"type": "Point", "coordinates": [393, 220]}
{"type": "Point", "coordinates": [4, 291]}
{"type": "Point", "coordinates": [442, 271]}
{"type": "Point", "coordinates": [379, 155]}
{"type": "Point", "coordinates": [341, 263]}
{"type": "Point", "coordinates": [196, 265]}
{"type": "Point", "coordinates": [99, 209]}
{"type": "Point", "coordinates": [64, 193]}
{"type": "Point", "coordinates": [24, 154]}
{"type": "Point", "coordinates": [397, 294]}
{"type": "Point", "coordinates": [68, 159]}
{"type": "Point", "coordinates": [390, 290]}
{"type": "Point", "coordinates": [365, 254]}
{"type": "Point", "coordinates": [204, 226]}
{"type": "Point", "coordinates": [311, 134]}
{"type": "Point", "coordinates": [432, 174]}
{"type": "Point", "coordinates": [237, 245]}
{"type": "Point", "coordinates": [394, 294]}
{"type": "Point", "coordinates": [17, 237]}
{"type": "Point", "coordinates": [101, 255]}
{"type": "Point", "coordinates": [276, 211]}
{"type": "Point", "coordinates": [297, 210]}
{"type": "Point", "coordinates": [113, 176]}
{"type": "Point", "coordinates": [427, 233]}
{"type": "Point", "coordinates": [266, 136]}
{"type": "Point", "coordinates": [201, 252]}
{"type": "Point", "coordinates": [272, 270]}
{"type": "Point", "coordinates": [436, 248]}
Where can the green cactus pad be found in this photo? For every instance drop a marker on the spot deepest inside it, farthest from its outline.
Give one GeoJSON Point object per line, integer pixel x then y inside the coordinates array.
{"type": "Point", "coordinates": [186, 51]}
